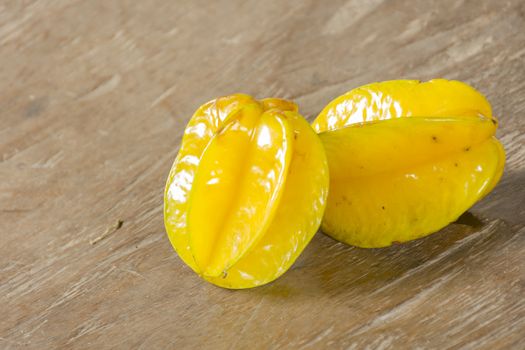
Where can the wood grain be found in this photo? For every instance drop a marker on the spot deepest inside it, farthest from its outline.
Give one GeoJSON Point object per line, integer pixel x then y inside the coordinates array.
{"type": "Point", "coordinates": [94, 99]}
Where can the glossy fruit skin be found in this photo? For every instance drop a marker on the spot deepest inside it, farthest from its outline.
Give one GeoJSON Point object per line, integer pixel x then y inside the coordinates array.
{"type": "Point", "coordinates": [402, 98]}
{"type": "Point", "coordinates": [406, 159]}
{"type": "Point", "coordinates": [258, 174]}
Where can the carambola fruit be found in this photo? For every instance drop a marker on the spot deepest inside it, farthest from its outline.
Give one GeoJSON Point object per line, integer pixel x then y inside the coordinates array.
{"type": "Point", "coordinates": [247, 190]}
{"type": "Point", "coordinates": [406, 159]}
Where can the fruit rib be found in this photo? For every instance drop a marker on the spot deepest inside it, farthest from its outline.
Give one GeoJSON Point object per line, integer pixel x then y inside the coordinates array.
{"type": "Point", "coordinates": [297, 218]}
{"type": "Point", "coordinates": [200, 129]}
{"type": "Point", "coordinates": [378, 147]}
{"type": "Point", "coordinates": [237, 188]}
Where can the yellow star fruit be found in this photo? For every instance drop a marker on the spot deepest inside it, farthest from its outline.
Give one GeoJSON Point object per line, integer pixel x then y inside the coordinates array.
{"type": "Point", "coordinates": [247, 190]}
{"type": "Point", "coordinates": [406, 159]}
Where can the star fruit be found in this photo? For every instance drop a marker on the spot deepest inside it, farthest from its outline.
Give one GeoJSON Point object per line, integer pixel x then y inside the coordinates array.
{"type": "Point", "coordinates": [247, 190]}
{"type": "Point", "coordinates": [406, 159]}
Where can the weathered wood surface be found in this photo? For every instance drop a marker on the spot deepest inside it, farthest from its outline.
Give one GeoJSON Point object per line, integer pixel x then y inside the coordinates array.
{"type": "Point", "coordinates": [94, 98]}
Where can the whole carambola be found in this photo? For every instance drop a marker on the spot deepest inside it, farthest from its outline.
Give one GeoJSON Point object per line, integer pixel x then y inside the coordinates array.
{"type": "Point", "coordinates": [247, 190]}
{"type": "Point", "coordinates": [406, 159]}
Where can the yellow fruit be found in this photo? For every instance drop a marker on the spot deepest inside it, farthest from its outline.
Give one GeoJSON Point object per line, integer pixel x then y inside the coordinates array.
{"type": "Point", "coordinates": [247, 190]}
{"type": "Point", "coordinates": [393, 178]}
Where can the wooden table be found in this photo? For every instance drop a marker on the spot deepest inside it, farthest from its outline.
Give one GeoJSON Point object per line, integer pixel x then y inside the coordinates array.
{"type": "Point", "coordinates": [94, 99]}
